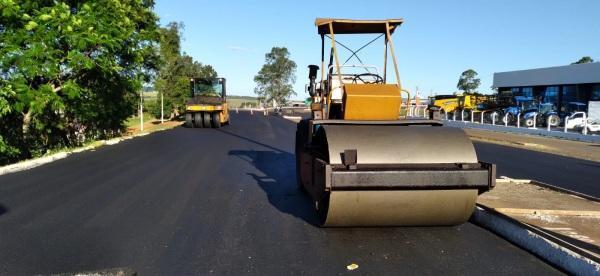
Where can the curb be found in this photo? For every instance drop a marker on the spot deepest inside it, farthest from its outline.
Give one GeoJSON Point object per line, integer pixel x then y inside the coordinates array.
{"type": "Point", "coordinates": [547, 247]}
{"type": "Point", "coordinates": [292, 118]}
{"type": "Point", "coordinates": [549, 186]}
{"type": "Point", "coordinates": [32, 163]}
{"type": "Point", "coordinates": [563, 190]}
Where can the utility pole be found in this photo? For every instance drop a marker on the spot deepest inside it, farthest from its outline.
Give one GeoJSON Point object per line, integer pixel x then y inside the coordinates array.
{"type": "Point", "coordinates": [142, 110]}
{"type": "Point", "coordinates": [161, 108]}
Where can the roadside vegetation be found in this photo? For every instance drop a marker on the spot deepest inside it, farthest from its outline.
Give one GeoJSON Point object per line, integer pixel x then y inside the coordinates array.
{"type": "Point", "coordinates": [242, 101]}
{"type": "Point", "coordinates": [71, 72]}
{"type": "Point", "coordinates": [468, 82]}
{"type": "Point", "coordinates": [173, 79]}
{"type": "Point", "coordinates": [275, 80]}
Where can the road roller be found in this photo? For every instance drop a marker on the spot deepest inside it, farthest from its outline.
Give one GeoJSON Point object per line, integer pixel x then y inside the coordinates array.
{"type": "Point", "coordinates": [365, 164]}
{"type": "Point", "coordinates": [207, 106]}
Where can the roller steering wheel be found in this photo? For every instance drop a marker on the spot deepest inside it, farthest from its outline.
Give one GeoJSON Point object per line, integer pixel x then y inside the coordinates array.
{"type": "Point", "coordinates": [377, 78]}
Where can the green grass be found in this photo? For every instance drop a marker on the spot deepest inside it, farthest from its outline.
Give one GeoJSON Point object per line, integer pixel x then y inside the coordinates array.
{"type": "Point", "coordinates": [151, 97]}
{"type": "Point", "coordinates": [135, 120]}
{"type": "Point", "coordinates": [237, 101]}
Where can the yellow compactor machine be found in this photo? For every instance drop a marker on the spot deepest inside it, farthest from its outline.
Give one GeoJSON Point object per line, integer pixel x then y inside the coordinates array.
{"type": "Point", "coordinates": [207, 106]}
{"type": "Point", "coordinates": [361, 164]}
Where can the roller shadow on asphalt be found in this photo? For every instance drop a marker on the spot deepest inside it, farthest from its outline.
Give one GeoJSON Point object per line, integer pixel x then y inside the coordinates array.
{"type": "Point", "coordinates": [3, 209]}
{"type": "Point", "coordinates": [279, 182]}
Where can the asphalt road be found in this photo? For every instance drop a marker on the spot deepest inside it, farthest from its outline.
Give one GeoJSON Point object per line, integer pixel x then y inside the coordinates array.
{"type": "Point", "coordinates": [570, 173]}
{"type": "Point", "coordinates": [201, 201]}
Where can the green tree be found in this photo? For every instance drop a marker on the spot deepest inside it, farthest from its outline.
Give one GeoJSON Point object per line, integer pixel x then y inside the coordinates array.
{"type": "Point", "coordinates": [585, 59]}
{"type": "Point", "coordinates": [70, 70]}
{"type": "Point", "coordinates": [173, 79]}
{"type": "Point", "coordinates": [275, 79]}
{"type": "Point", "coordinates": [468, 81]}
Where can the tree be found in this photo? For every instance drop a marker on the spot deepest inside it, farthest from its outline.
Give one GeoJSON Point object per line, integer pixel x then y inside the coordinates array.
{"type": "Point", "coordinates": [468, 81]}
{"type": "Point", "coordinates": [70, 70]}
{"type": "Point", "coordinates": [585, 59]}
{"type": "Point", "coordinates": [173, 79]}
{"type": "Point", "coordinates": [275, 79]}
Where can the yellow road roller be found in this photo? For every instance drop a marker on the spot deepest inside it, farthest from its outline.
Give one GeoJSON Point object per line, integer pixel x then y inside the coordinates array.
{"type": "Point", "coordinates": [361, 162]}
{"type": "Point", "coordinates": [207, 106]}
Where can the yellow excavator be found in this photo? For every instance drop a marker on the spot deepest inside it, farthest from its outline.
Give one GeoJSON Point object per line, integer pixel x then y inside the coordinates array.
{"type": "Point", "coordinates": [363, 165]}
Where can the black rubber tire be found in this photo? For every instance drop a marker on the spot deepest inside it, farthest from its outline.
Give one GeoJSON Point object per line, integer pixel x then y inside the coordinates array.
{"type": "Point", "coordinates": [498, 117]}
{"type": "Point", "coordinates": [467, 116]}
{"type": "Point", "coordinates": [198, 119]}
{"type": "Point", "coordinates": [510, 119]}
{"type": "Point", "coordinates": [442, 114]}
{"type": "Point", "coordinates": [301, 140]}
{"type": "Point", "coordinates": [215, 119]}
{"type": "Point", "coordinates": [553, 121]}
{"type": "Point", "coordinates": [206, 119]}
{"type": "Point", "coordinates": [189, 120]}
{"type": "Point", "coordinates": [529, 122]}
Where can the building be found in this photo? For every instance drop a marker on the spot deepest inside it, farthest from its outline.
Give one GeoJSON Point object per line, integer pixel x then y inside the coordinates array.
{"type": "Point", "coordinates": [577, 84]}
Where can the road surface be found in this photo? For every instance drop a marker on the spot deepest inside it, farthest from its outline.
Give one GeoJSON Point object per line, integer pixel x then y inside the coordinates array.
{"type": "Point", "coordinates": [570, 173]}
{"type": "Point", "coordinates": [201, 201]}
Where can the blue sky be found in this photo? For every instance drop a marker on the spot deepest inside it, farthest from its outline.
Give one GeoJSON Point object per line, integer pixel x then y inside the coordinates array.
{"type": "Point", "coordinates": [438, 40]}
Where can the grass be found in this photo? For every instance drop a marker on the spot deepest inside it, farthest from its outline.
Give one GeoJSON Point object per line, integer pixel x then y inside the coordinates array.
{"type": "Point", "coordinates": [236, 102]}
{"type": "Point", "coordinates": [135, 120]}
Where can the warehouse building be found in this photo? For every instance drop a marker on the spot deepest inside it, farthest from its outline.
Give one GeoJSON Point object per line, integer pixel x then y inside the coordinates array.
{"type": "Point", "coordinates": [564, 86]}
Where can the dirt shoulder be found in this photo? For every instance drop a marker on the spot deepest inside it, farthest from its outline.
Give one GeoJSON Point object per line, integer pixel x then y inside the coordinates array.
{"type": "Point", "coordinates": [562, 214]}
{"type": "Point", "coordinates": [151, 126]}
{"type": "Point", "coordinates": [581, 150]}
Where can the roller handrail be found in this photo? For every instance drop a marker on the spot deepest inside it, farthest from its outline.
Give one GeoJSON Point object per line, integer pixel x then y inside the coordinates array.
{"type": "Point", "coordinates": [407, 99]}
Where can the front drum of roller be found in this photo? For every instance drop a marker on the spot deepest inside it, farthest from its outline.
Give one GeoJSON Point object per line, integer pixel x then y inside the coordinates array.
{"type": "Point", "coordinates": [399, 208]}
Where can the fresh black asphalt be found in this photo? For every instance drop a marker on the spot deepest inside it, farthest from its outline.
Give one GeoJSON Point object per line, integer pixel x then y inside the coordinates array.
{"type": "Point", "coordinates": [202, 201]}
{"type": "Point", "coordinates": [570, 173]}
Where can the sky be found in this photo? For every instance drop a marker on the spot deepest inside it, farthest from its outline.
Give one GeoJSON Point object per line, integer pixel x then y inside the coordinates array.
{"type": "Point", "coordinates": [437, 41]}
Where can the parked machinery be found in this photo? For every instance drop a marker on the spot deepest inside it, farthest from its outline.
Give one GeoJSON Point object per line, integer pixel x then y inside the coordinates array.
{"type": "Point", "coordinates": [207, 106]}
{"type": "Point", "coordinates": [440, 105]}
{"type": "Point", "coordinates": [520, 106]}
{"type": "Point", "coordinates": [362, 165]}
{"type": "Point", "coordinates": [579, 119]}
{"type": "Point", "coordinates": [471, 102]}
{"type": "Point", "coordinates": [545, 115]}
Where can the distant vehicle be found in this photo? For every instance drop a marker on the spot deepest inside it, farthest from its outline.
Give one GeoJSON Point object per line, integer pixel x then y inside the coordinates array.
{"type": "Point", "coordinates": [472, 102]}
{"type": "Point", "coordinates": [545, 114]}
{"type": "Point", "coordinates": [441, 104]}
{"type": "Point", "coordinates": [521, 106]}
{"type": "Point", "coordinates": [207, 107]}
{"type": "Point", "coordinates": [579, 119]}
{"type": "Point", "coordinates": [573, 107]}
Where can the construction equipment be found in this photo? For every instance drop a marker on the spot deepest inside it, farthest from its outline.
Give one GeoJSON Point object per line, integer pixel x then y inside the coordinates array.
{"type": "Point", "coordinates": [468, 103]}
{"type": "Point", "coordinates": [207, 106]}
{"type": "Point", "coordinates": [364, 166]}
{"type": "Point", "coordinates": [544, 114]}
{"type": "Point", "coordinates": [522, 105]}
{"type": "Point", "coordinates": [440, 105]}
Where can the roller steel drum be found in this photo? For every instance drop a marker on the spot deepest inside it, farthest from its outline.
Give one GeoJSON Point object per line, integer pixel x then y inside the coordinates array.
{"type": "Point", "coordinates": [392, 144]}
{"type": "Point", "coordinates": [400, 208]}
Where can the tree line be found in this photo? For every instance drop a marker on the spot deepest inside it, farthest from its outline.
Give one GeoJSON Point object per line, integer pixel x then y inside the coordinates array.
{"type": "Point", "coordinates": [71, 71]}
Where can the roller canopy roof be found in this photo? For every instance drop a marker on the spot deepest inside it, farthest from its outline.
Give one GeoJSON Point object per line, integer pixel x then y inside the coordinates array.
{"type": "Point", "coordinates": [348, 26]}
